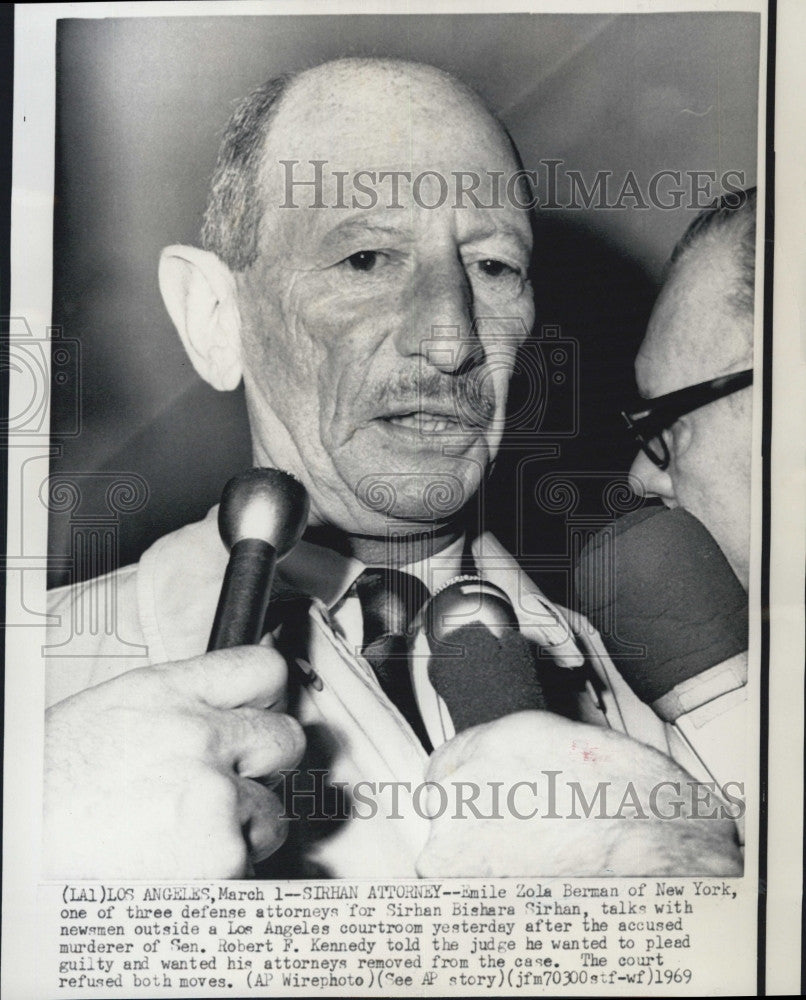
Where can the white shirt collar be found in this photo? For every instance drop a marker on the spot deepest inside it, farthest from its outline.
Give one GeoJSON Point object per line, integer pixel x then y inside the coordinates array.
{"type": "Point", "coordinates": [327, 575]}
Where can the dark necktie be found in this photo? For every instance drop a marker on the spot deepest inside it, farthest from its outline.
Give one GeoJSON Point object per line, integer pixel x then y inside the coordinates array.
{"type": "Point", "coordinates": [390, 599]}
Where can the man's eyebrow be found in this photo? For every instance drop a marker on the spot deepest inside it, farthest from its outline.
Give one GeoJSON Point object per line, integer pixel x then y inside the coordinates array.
{"type": "Point", "coordinates": [350, 228]}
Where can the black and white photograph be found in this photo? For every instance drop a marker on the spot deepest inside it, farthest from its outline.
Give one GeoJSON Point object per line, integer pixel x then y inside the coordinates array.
{"type": "Point", "coordinates": [389, 498]}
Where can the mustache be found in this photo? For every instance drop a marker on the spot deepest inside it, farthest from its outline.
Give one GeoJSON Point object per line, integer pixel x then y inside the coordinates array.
{"type": "Point", "coordinates": [469, 394]}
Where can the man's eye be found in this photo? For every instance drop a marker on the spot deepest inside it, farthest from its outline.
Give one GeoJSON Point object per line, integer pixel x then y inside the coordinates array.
{"type": "Point", "coordinates": [364, 260]}
{"type": "Point", "coordinates": [498, 277]}
{"type": "Point", "coordinates": [493, 268]}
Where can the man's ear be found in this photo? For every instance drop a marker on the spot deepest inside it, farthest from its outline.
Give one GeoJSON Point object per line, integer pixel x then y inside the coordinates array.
{"type": "Point", "coordinates": [682, 434]}
{"type": "Point", "coordinates": [200, 295]}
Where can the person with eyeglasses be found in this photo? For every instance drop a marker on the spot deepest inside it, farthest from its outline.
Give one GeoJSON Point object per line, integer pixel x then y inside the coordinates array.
{"type": "Point", "coordinates": [673, 592]}
{"type": "Point", "coordinates": [694, 370]}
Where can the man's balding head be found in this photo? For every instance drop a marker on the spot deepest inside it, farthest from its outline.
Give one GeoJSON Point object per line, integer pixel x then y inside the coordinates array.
{"type": "Point", "coordinates": [701, 328]}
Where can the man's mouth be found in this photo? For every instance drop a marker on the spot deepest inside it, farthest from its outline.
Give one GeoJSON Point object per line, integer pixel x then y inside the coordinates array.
{"type": "Point", "coordinates": [457, 406]}
{"type": "Point", "coordinates": [425, 422]}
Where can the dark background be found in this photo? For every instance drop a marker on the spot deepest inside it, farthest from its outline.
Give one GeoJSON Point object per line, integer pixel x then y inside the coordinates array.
{"type": "Point", "coordinates": [141, 104]}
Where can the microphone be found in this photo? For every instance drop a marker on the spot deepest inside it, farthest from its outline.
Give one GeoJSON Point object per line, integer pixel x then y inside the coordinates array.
{"type": "Point", "coordinates": [262, 516]}
{"type": "Point", "coordinates": [480, 666]}
{"type": "Point", "coordinates": [670, 610]}
{"type": "Point", "coordinates": [674, 618]}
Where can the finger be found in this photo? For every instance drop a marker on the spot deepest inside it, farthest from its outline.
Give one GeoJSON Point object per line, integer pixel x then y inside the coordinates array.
{"type": "Point", "coordinates": [580, 625]}
{"type": "Point", "coordinates": [257, 743]}
{"type": "Point", "coordinates": [281, 702]}
{"type": "Point", "coordinates": [538, 619]}
{"type": "Point", "coordinates": [232, 678]}
{"type": "Point", "coordinates": [261, 814]}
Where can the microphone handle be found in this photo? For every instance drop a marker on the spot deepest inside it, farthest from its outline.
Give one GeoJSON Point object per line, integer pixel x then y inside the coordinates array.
{"type": "Point", "coordinates": [244, 596]}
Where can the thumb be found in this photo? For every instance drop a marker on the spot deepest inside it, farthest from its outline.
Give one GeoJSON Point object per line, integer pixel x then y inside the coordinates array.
{"type": "Point", "coordinates": [231, 678]}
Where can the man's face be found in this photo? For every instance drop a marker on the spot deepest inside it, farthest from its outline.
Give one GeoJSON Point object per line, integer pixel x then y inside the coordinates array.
{"type": "Point", "coordinates": [694, 335]}
{"type": "Point", "coordinates": [359, 345]}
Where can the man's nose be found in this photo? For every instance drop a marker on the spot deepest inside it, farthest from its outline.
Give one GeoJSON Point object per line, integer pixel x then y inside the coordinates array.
{"type": "Point", "coordinates": [439, 325]}
{"type": "Point", "coordinates": [648, 480]}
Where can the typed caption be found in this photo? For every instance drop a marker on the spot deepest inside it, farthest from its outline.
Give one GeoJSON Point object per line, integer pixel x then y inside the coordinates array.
{"type": "Point", "coordinates": [609, 937]}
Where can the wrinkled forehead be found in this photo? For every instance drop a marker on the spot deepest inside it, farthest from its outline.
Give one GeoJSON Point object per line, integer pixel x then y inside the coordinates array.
{"type": "Point", "coordinates": [409, 133]}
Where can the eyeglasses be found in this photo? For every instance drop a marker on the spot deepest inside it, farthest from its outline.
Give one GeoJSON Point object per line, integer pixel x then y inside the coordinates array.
{"type": "Point", "coordinates": [656, 415]}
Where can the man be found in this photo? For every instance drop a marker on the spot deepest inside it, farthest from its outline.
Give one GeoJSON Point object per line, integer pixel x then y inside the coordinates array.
{"type": "Point", "coordinates": [694, 369]}
{"type": "Point", "coordinates": [376, 338]}
{"type": "Point", "coordinates": [702, 329]}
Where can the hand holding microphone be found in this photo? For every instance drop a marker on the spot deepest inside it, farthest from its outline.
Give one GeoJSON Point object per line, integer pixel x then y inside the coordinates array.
{"type": "Point", "coordinates": [153, 774]}
{"type": "Point", "coordinates": [150, 774]}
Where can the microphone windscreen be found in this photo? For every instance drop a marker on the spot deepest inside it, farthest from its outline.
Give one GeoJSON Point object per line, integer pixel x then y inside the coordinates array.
{"type": "Point", "coordinates": [486, 677]}
{"type": "Point", "coordinates": [664, 598]}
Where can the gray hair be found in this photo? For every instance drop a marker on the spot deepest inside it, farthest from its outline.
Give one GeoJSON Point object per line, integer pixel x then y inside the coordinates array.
{"type": "Point", "coordinates": [732, 216]}
{"type": "Point", "coordinates": [235, 209]}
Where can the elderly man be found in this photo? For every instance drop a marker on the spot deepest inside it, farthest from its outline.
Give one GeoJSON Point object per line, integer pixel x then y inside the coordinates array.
{"type": "Point", "coordinates": [375, 329]}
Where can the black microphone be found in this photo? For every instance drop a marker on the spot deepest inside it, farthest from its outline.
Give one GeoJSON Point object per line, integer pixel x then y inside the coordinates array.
{"type": "Point", "coordinates": [669, 608]}
{"type": "Point", "coordinates": [480, 665]}
{"type": "Point", "coordinates": [262, 516]}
